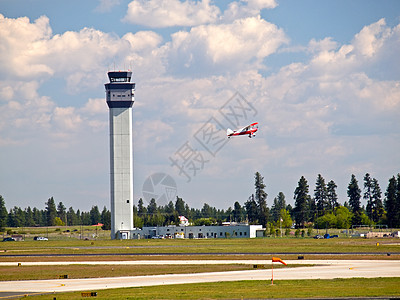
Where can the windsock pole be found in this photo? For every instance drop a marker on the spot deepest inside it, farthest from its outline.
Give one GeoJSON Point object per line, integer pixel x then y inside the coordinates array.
{"type": "Point", "coordinates": [276, 259]}
{"type": "Point", "coordinates": [272, 279]}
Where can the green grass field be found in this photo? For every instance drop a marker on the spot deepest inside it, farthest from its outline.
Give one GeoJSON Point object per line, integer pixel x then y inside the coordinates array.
{"type": "Point", "coordinates": [259, 245]}
{"type": "Point", "coordinates": [95, 271]}
{"type": "Point", "coordinates": [260, 248]}
{"type": "Point", "coordinates": [356, 287]}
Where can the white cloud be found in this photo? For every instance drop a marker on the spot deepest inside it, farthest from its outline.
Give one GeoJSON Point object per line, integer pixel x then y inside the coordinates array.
{"type": "Point", "coordinates": [66, 119]}
{"type": "Point", "coordinates": [371, 38]}
{"type": "Point", "coordinates": [225, 47]}
{"type": "Point", "coordinates": [107, 5]}
{"type": "Point", "coordinates": [145, 56]}
{"type": "Point", "coordinates": [167, 13]}
{"type": "Point", "coordinates": [25, 99]}
{"type": "Point", "coordinates": [325, 45]}
{"type": "Point", "coordinates": [94, 106]}
{"type": "Point", "coordinates": [261, 4]}
{"type": "Point", "coordinates": [246, 8]}
{"type": "Point", "coordinates": [22, 46]}
{"type": "Point", "coordinates": [371, 51]}
{"type": "Point", "coordinates": [30, 49]}
{"type": "Point", "coordinates": [6, 93]}
{"type": "Point", "coordinates": [143, 41]}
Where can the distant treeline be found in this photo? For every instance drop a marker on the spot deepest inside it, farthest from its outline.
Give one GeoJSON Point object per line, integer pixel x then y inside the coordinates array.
{"type": "Point", "coordinates": [52, 215]}
{"type": "Point", "coordinates": [320, 210]}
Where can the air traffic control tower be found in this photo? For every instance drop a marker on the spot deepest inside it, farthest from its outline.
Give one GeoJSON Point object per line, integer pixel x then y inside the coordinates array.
{"type": "Point", "coordinates": [120, 98]}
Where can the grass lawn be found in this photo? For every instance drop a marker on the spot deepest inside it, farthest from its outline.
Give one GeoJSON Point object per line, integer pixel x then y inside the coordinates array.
{"type": "Point", "coordinates": [259, 245]}
{"type": "Point", "coordinates": [95, 271]}
{"type": "Point", "coordinates": [260, 248]}
{"type": "Point", "coordinates": [355, 287]}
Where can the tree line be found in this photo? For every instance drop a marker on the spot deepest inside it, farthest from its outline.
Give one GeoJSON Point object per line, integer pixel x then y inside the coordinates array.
{"type": "Point", "coordinates": [52, 215]}
{"type": "Point", "coordinates": [320, 210]}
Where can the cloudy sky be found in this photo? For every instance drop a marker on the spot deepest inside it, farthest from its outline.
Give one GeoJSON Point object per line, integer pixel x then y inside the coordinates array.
{"type": "Point", "coordinates": [322, 78]}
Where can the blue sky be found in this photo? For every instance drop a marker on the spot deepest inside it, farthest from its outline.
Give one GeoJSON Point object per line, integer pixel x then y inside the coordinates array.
{"type": "Point", "coordinates": [321, 77]}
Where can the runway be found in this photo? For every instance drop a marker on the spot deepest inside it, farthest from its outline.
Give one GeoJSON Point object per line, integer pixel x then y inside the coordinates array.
{"type": "Point", "coordinates": [322, 269]}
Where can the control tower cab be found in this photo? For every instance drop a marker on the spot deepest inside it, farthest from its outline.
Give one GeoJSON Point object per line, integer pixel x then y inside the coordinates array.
{"type": "Point", "coordinates": [120, 90]}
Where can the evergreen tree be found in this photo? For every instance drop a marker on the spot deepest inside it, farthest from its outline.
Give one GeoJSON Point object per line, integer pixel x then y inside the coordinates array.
{"type": "Point", "coordinates": [331, 194]}
{"type": "Point", "coordinates": [391, 204]}
{"type": "Point", "coordinates": [79, 217]}
{"type": "Point", "coordinates": [38, 217]}
{"type": "Point", "coordinates": [180, 206]}
{"type": "Point", "coordinates": [321, 196]}
{"type": "Point", "coordinates": [170, 208]}
{"type": "Point", "coordinates": [378, 211]}
{"type": "Point", "coordinates": [251, 209]}
{"type": "Point", "coordinates": [29, 221]}
{"type": "Point", "coordinates": [106, 219]}
{"type": "Point", "coordinates": [72, 218]}
{"type": "Point", "coordinates": [279, 204]}
{"type": "Point", "coordinates": [188, 212]}
{"type": "Point", "coordinates": [152, 207]}
{"type": "Point", "coordinates": [207, 211]}
{"type": "Point", "coordinates": [354, 194]}
{"type": "Point", "coordinates": [16, 217]}
{"type": "Point", "coordinates": [85, 218]}
{"type": "Point", "coordinates": [311, 214]}
{"type": "Point", "coordinates": [398, 200]}
{"type": "Point", "coordinates": [95, 216]}
{"type": "Point", "coordinates": [61, 212]}
{"type": "Point", "coordinates": [225, 216]}
{"type": "Point", "coordinates": [368, 195]}
{"type": "Point", "coordinates": [51, 212]}
{"type": "Point", "coordinates": [301, 198]}
{"type": "Point", "coordinates": [171, 216]}
{"type": "Point", "coordinates": [3, 214]}
{"type": "Point", "coordinates": [142, 210]}
{"type": "Point", "coordinates": [10, 219]}
{"type": "Point", "coordinates": [238, 212]}
{"type": "Point", "coordinates": [261, 199]}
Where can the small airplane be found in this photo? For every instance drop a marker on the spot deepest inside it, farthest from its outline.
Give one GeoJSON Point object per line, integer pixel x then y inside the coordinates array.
{"type": "Point", "coordinates": [250, 130]}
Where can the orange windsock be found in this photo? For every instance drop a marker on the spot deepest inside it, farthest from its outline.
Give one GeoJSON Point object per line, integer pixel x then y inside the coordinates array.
{"type": "Point", "coordinates": [277, 259]}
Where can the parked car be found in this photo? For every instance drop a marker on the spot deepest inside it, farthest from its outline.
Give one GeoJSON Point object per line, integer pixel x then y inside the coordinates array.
{"type": "Point", "coordinates": [157, 237]}
{"type": "Point", "coordinates": [40, 238]}
{"type": "Point", "coordinates": [8, 239]}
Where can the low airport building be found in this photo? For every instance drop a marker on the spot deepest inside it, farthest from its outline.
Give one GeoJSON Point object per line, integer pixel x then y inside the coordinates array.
{"type": "Point", "coordinates": [199, 232]}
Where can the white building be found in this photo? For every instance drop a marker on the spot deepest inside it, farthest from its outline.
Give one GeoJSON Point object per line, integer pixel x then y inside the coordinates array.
{"type": "Point", "coordinates": [200, 232]}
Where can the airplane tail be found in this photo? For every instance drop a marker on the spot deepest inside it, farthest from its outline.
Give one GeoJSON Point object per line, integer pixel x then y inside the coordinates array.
{"type": "Point", "coordinates": [229, 132]}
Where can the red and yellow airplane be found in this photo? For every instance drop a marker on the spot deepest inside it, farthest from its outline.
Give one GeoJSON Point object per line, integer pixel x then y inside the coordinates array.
{"type": "Point", "coordinates": [248, 130]}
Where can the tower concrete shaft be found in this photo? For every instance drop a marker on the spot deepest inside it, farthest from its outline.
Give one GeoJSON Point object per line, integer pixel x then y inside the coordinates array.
{"type": "Point", "coordinates": [120, 98]}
